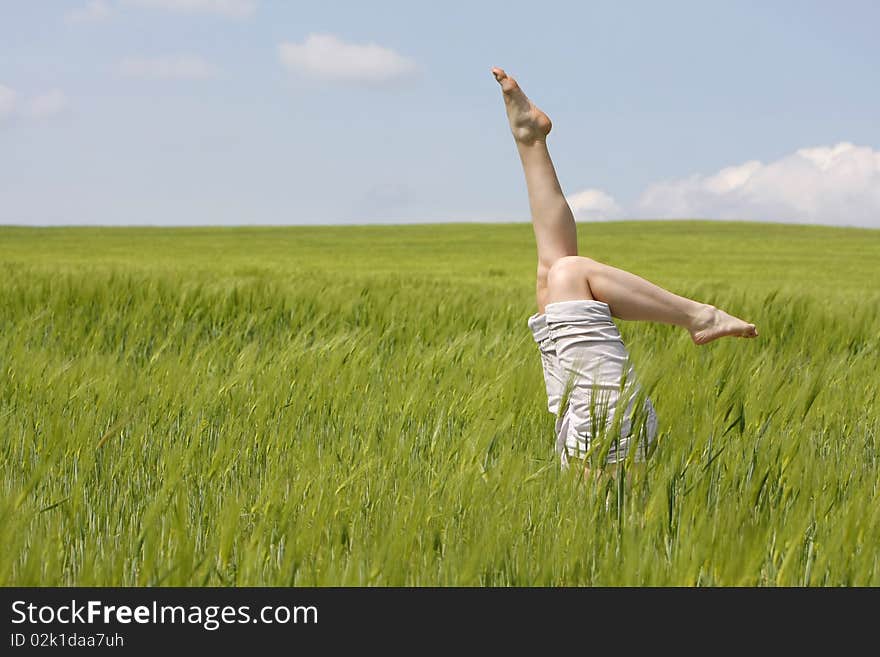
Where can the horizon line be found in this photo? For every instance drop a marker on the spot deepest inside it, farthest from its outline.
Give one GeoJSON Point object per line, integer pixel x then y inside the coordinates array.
{"type": "Point", "coordinates": [428, 223]}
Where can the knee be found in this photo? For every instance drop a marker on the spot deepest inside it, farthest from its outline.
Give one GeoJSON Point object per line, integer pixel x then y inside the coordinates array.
{"type": "Point", "coordinates": [566, 270]}
{"type": "Point", "coordinates": [569, 277]}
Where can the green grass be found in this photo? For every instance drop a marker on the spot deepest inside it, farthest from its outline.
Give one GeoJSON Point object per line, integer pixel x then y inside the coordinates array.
{"type": "Point", "coordinates": [364, 406]}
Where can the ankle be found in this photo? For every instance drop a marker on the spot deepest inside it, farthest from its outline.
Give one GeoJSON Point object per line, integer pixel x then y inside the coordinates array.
{"type": "Point", "coordinates": [529, 143]}
{"type": "Point", "coordinates": [698, 315]}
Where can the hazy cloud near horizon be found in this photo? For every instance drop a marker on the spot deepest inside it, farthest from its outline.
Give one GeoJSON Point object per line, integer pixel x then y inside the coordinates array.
{"type": "Point", "coordinates": [93, 11]}
{"type": "Point", "coordinates": [40, 106]}
{"type": "Point", "coordinates": [166, 67]}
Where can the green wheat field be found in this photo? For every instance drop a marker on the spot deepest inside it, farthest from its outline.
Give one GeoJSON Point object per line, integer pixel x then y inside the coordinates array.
{"type": "Point", "coordinates": [365, 406]}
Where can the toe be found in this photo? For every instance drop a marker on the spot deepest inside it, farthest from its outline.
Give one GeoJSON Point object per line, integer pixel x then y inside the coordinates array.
{"type": "Point", "coordinates": [508, 84]}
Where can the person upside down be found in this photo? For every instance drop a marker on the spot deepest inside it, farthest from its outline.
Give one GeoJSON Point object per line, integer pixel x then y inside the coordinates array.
{"type": "Point", "coordinates": [591, 386]}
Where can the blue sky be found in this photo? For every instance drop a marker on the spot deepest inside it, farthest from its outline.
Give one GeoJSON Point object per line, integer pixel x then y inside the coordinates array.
{"type": "Point", "coordinates": [267, 112]}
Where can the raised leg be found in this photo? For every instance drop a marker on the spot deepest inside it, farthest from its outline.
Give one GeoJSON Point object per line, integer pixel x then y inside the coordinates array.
{"type": "Point", "coordinates": [562, 275]}
{"type": "Point", "coordinates": [631, 297]}
{"type": "Point", "coordinates": [553, 222]}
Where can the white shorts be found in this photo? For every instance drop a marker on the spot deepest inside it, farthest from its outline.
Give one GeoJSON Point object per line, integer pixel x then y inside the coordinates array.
{"type": "Point", "coordinates": [590, 381]}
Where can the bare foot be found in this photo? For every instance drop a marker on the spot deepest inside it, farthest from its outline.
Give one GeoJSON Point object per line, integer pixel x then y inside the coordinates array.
{"type": "Point", "coordinates": [712, 323]}
{"type": "Point", "coordinates": [527, 122]}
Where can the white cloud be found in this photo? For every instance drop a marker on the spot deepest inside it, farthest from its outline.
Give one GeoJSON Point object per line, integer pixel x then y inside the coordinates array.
{"type": "Point", "coordinates": [328, 57]}
{"type": "Point", "coordinates": [93, 12]}
{"type": "Point", "coordinates": [170, 67]}
{"type": "Point", "coordinates": [594, 205]}
{"type": "Point", "coordinates": [8, 102]}
{"type": "Point", "coordinates": [837, 184]}
{"type": "Point", "coordinates": [46, 105]}
{"type": "Point", "coordinates": [230, 8]}
{"type": "Point", "coordinates": [828, 184]}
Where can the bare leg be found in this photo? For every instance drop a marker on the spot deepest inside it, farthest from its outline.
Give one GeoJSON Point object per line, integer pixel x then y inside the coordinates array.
{"type": "Point", "coordinates": [562, 276]}
{"type": "Point", "coordinates": [633, 298]}
{"type": "Point", "coordinates": [555, 232]}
